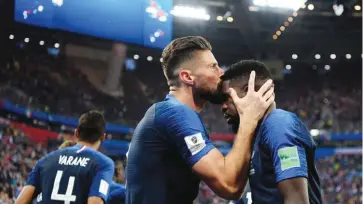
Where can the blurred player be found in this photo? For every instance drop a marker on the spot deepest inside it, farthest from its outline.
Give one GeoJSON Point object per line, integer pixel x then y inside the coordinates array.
{"type": "Point", "coordinates": [117, 191]}
{"type": "Point", "coordinates": [170, 150]}
{"type": "Point", "coordinates": [282, 164]}
{"type": "Point", "coordinates": [77, 174]}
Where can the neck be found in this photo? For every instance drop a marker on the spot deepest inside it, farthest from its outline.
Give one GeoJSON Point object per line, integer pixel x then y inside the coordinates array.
{"type": "Point", "coordinates": [186, 96]}
{"type": "Point", "coordinates": [269, 110]}
{"type": "Point", "coordinates": [95, 146]}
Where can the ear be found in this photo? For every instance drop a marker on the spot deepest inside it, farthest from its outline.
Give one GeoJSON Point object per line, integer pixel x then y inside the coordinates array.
{"type": "Point", "coordinates": [76, 133]}
{"type": "Point", "coordinates": [103, 137]}
{"type": "Point", "coordinates": [186, 77]}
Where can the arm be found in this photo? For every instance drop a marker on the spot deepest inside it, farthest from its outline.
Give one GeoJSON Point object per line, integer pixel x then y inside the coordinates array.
{"type": "Point", "coordinates": [227, 176]}
{"type": "Point", "coordinates": [26, 195]}
{"type": "Point", "coordinates": [95, 200]}
{"type": "Point", "coordinates": [294, 191]}
{"type": "Point", "coordinates": [284, 140]}
{"type": "Point", "coordinates": [30, 189]}
{"type": "Point", "coordinates": [105, 170]}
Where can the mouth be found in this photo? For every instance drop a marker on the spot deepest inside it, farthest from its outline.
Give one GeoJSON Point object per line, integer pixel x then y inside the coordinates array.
{"type": "Point", "coordinates": [228, 118]}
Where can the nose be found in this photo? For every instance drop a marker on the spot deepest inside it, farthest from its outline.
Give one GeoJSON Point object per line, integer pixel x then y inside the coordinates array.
{"type": "Point", "coordinates": [220, 71]}
{"type": "Point", "coordinates": [224, 107]}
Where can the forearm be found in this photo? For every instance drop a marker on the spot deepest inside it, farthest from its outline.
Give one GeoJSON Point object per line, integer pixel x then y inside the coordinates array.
{"type": "Point", "coordinates": [237, 161]}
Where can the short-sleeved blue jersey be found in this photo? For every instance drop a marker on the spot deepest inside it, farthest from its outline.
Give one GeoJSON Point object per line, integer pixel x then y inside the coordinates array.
{"type": "Point", "coordinates": [283, 149]}
{"type": "Point", "coordinates": [166, 143]}
{"type": "Point", "coordinates": [116, 194]}
{"type": "Point", "coordinates": [71, 175]}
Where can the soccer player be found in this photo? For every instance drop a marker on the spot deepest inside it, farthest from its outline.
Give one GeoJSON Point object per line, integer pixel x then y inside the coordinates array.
{"type": "Point", "coordinates": [170, 151]}
{"type": "Point", "coordinates": [282, 162]}
{"type": "Point", "coordinates": [117, 191]}
{"type": "Point", "coordinates": [77, 174]}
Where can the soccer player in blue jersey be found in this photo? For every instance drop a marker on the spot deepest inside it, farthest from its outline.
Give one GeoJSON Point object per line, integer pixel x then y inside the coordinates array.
{"type": "Point", "coordinates": [282, 162]}
{"type": "Point", "coordinates": [117, 191]}
{"type": "Point", "coordinates": [171, 152]}
{"type": "Point", "coordinates": [77, 174]}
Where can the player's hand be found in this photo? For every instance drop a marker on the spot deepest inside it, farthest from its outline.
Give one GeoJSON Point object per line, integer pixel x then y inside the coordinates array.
{"type": "Point", "coordinates": [254, 105]}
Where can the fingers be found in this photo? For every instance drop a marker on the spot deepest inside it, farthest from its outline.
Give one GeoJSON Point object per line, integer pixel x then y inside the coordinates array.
{"type": "Point", "coordinates": [233, 94]}
{"type": "Point", "coordinates": [270, 100]}
{"type": "Point", "coordinates": [268, 94]}
{"type": "Point", "coordinates": [265, 87]}
{"type": "Point", "coordinates": [251, 82]}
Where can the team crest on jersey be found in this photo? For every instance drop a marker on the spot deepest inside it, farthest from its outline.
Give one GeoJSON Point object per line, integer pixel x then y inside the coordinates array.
{"type": "Point", "coordinates": [195, 143]}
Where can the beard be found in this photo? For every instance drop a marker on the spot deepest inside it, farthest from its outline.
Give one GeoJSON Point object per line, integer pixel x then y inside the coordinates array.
{"type": "Point", "coordinates": [235, 125]}
{"type": "Point", "coordinates": [213, 96]}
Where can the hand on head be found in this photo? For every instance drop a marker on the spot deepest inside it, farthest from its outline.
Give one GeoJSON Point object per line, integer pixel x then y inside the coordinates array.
{"type": "Point", "coordinates": [255, 103]}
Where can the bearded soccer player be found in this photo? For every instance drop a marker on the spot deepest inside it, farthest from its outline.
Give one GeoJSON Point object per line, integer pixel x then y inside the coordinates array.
{"type": "Point", "coordinates": [76, 174]}
{"type": "Point", "coordinates": [171, 152]}
{"type": "Point", "coordinates": [282, 162]}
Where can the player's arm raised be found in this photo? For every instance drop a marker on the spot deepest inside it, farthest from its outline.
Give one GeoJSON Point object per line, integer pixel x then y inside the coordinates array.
{"type": "Point", "coordinates": [287, 148]}
{"type": "Point", "coordinates": [227, 176]}
{"type": "Point", "coordinates": [101, 181]}
{"type": "Point", "coordinates": [29, 191]}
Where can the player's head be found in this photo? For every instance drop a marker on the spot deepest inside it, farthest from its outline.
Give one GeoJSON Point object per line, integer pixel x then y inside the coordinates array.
{"type": "Point", "coordinates": [237, 77]}
{"type": "Point", "coordinates": [91, 127]}
{"type": "Point", "coordinates": [66, 144]}
{"type": "Point", "coordinates": [189, 62]}
{"type": "Point", "coordinates": [119, 172]}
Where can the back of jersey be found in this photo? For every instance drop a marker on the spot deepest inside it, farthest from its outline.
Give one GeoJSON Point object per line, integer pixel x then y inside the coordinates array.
{"type": "Point", "coordinates": [71, 175]}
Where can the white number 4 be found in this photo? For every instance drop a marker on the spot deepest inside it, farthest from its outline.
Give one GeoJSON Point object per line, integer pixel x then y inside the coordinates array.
{"type": "Point", "coordinates": [249, 197]}
{"type": "Point", "coordinates": [68, 197]}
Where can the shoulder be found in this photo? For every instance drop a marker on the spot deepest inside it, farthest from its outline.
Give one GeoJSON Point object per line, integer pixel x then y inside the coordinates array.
{"type": "Point", "coordinates": [116, 188]}
{"type": "Point", "coordinates": [50, 156]}
{"type": "Point", "coordinates": [283, 125]}
{"type": "Point", "coordinates": [100, 159]}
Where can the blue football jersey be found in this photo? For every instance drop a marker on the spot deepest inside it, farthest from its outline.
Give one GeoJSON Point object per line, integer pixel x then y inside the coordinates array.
{"type": "Point", "coordinates": [283, 149]}
{"type": "Point", "coordinates": [116, 194]}
{"type": "Point", "coordinates": [166, 143]}
{"type": "Point", "coordinates": [71, 175]}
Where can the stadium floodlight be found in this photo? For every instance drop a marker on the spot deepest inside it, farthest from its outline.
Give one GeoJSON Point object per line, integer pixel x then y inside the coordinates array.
{"type": "Point", "coordinates": [40, 8]}
{"type": "Point", "coordinates": [357, 7]}
{"type": "Point", "coordinates": [230, 19]}
{"type": "Point", "coordinates": [288, 67]}
{"type": "Point", "coordinates": [56, 45]}
{"type": "Point", "coordinates": [190, 12]}
{"type": "Point", "coordinates": [161, 59]}
{"type": "Point", "coordinates": [311, 7]}
{"type": "Point", "coordinates": [284, 4]}
{"type": "Point", "coordinates": [41, 42]}
{"type": "Point", "coordinates": [219, 18]}
{"type": "Point", "coordinates": [149, 58]}
{"type": "Point", "coordinates": [11, 36]}
{"type": "Point", "coordinates": [26, 40]}
{"type": "Point", "coordinates": [317, 56]}
{"type": "Point", "coordinates": [327, 67]}
{"type": "Point", "coordinates": [136, 57]}
{"type": "Point", "coordinates": [333, 56]}
{"type": "Point", "coordinates": [294, 56]}
{"type": "Point", "coordinates": [348, 56]}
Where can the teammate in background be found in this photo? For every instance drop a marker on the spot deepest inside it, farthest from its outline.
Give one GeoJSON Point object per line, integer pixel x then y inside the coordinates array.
{"type": "Point", "coordinates": [282, 163]}
{"type": "Point", "coordinates": [117, 191]}
{"type": "Point", "coordinates": [66, 144]}
{"type": "Point", "coordinates": [171, 151]}
{"type": "Point", "coordinates": [77, 174]}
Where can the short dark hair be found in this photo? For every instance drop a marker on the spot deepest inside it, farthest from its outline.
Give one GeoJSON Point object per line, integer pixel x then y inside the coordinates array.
{"type": "Point", "coordinates": [243, 69]}
{"type": "Point", "coordinates": [178, 51]}
{"type": "Point", "coordinates": [91, 126]}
